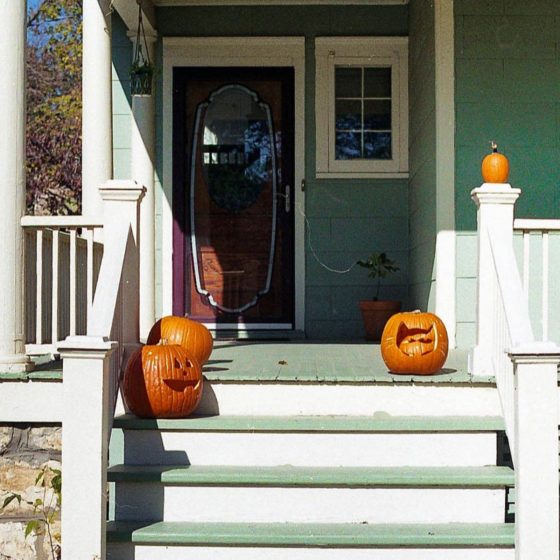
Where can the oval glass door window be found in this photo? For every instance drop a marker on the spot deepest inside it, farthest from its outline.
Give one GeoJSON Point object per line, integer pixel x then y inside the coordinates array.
{"type": "Point", "coordinates": [233, 196]}
{"type": "Point", "coordinates": [237, 148]}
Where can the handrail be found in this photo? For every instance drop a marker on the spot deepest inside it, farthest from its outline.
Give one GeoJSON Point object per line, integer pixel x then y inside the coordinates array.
{"type": "Point", "coordinates": [60, 222]}
{"type": "Point", "coordinates": [511, 290]}
{"type": "Point", "coordinates": [531, 224]}
{"type": "Point", "coordinates": [101, 318]}
{"type": "Point", "coordinates": [512, 325]}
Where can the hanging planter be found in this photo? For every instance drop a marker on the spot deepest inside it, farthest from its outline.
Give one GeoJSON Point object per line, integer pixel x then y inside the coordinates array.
{"type": "Point", "coordinates": [141, 79]}
{"type": "Point", "coordinates": [142, 70]}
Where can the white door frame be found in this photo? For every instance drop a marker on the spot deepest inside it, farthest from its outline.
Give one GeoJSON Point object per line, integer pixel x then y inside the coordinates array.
{"type": "Point", "coordinates": [233, 51]}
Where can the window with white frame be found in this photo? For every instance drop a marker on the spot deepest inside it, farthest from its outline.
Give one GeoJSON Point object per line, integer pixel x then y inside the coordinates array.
{"type": "Point", "coordinates": [361, 106]}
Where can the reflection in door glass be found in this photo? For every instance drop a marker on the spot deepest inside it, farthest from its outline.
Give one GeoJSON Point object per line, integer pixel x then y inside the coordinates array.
{"type": "Point", "coordinates": [237, 148]}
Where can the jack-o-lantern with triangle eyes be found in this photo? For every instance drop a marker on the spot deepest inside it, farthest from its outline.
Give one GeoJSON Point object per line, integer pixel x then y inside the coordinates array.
{"type": "Point", "coordinates": [162, 381]}
{"type": "Point", "coordinates": [414, 342]}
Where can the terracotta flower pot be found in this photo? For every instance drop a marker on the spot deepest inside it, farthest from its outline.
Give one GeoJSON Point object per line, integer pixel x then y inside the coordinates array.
{"type": "Point", "coordinates": [375, 314]}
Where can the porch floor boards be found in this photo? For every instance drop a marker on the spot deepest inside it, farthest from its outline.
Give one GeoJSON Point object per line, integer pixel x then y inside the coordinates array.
{"type": "Point", "coordinates": [297, 361]}
{"type": "Point", "coordinates": [322, 362]}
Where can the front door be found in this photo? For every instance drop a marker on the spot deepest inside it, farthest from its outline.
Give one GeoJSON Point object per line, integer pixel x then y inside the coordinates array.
{"type": "Point", "coordinates": [233, 183]}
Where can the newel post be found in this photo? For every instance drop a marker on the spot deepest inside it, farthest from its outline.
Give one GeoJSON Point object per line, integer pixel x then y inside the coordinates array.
{"type": "Point", "coordinates": [495, 205]}
{"type": "Point", "coordinates": [536, 453]}
{"type": "Point", "coordinates": [85, 427]}
{"type": "Point", "coordinates": [121, 209]}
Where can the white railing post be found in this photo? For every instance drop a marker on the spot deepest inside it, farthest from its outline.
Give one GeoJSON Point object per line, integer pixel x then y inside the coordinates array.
{"type": "Point", "coordinates": [121, 206]}
{"type": "Point", "coordinates": [85, 443]}
{"type": "Point", "coordinates": [536, 455]}
{"type": "Point", "coordinates": [495, 203]}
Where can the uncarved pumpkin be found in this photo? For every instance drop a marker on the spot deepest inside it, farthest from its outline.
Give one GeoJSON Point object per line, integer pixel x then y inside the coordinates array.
{"type": "Point", "coordinates": [495, 167]}
{"type": "Point", "coordinates": [190, 334]}
{"type": "Point", "coordinates": [414, 342]}
{"type": "Point", "coordinates": [162, 381]}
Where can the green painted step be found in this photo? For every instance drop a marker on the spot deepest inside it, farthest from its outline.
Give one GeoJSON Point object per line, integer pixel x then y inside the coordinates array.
{"type": "Point", "coordinates": [313, 535]}
{"type": "Point", "coordinates": [339, 477]}
{"type": "Point", "coordinates": [349, 424]}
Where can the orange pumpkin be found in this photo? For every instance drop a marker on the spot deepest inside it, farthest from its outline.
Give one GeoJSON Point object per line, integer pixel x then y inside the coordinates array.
{"type": "Point", "coordinates": [162, 381]}
{"type": "Point", "coordinates": [414, 342]}
{"type": "Point", "coordinates": [192, 335]}
{"type": "Point", "coordinates": [495, 167]}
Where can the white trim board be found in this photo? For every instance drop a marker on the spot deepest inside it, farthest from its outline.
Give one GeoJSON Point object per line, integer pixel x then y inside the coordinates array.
{"type": "Point", "coordinates": [445, 167]}
{"type": "Point", "coordinates": [233, 51]}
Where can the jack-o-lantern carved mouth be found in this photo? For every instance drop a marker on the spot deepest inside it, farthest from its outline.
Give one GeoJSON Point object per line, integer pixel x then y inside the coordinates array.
{"type": "Point", "coordinates": [415, 341]}
{"type": "Point", "coordinates": [178, 384]}
{"type": "Point", "coordinates": [181, 384]}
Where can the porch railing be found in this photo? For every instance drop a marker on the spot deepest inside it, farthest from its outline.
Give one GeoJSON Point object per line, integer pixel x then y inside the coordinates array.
{"type": "Point", "coordinates": [62, 261]}
{"type": "Point", "coordinates": [525, 370]}
{"type": "Point", "coordinates": [538, 244]}
{"type": "Point", "coordinates": [92, 366]}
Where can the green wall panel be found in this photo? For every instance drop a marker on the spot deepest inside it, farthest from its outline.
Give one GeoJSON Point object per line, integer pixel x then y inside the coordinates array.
{"type": "Point", "coordinates": [508, 90]}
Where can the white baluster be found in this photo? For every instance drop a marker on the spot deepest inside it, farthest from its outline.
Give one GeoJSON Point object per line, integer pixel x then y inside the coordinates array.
{"type": "Point", "coordinates": [526, 263]}
{"type": "Point", "coordinates": [54, 271]}
{"type": "Point", "coordinates": [39, 303]}
{"type": "Point", "coordinates": [73, 254]}
{"type": "Point", "coordinates": [89, 238]}
{"type": "Point", "coordinates": [545, 273]}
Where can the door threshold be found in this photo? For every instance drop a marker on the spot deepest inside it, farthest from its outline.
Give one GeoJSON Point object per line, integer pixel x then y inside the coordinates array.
{"type": "Point", "coordinates": [264, 334]}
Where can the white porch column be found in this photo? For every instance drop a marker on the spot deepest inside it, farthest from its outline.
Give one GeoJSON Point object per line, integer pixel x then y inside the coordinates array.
{"type": "Point", "coordinates": [97, 157]}
{"type": "Point", "coordinates": [536, 454]}
{"type": "Point", "coordinates": [495, 203]}
{"type": "Point", "coordinates": [142, 166]}
{"type": "Point", "coordinates": [12, 179]}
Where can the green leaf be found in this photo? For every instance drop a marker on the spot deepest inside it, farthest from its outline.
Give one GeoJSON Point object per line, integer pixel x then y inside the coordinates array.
{"type": "Point", "coordinates": [9, 499]}
{"type": "Point", "coordinates": [40, 480]}
{"type": "Point", "coordinates": [32, 526]}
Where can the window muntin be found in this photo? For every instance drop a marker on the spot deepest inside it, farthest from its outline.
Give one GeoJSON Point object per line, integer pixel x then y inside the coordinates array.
{"type": "Point", "coordinates": [363, 106]}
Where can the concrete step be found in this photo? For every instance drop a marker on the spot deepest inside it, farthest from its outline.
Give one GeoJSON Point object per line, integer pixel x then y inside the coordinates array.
{"type": "Point", "coordinates": [322, 441]}
{"type": "Point", "coordinates": [285, 541]}
{"type": "Point", "coordinates": [303, 494]}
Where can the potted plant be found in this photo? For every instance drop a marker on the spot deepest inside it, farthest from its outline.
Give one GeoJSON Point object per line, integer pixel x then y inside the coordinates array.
{"type": "Point", "coordinates": [376, 312]}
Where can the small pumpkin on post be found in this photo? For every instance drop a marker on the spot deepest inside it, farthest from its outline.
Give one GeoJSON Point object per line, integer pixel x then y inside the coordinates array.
{"type": "Point", "coordinates": [414, 342]}
{"type": "Point", "coordinates": [495, 166]}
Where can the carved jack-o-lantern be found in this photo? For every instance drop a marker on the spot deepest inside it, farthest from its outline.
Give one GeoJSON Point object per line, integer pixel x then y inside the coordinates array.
{"type": "Point", "coordinates": [414, 342]}
{"type": "Point", "coordinates": [162, 381]}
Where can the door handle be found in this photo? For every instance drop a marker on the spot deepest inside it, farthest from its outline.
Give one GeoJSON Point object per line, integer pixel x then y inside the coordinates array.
{"type": "Point", "coordinates": [286, 195]}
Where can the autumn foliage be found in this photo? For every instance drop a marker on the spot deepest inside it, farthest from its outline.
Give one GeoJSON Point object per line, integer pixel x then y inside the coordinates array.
{"type": "Point", "coordinates": [54, 59]}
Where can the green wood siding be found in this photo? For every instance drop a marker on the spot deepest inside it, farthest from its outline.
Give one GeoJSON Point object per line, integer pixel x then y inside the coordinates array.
{"type": "Point", "coordinates": [508, 90]}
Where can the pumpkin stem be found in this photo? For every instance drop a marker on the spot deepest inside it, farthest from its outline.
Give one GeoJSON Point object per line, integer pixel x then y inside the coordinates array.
{"type": "Point", "coordinates": [494, 146]}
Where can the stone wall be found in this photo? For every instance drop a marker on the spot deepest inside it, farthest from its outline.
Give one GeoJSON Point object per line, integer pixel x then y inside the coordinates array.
{"type": "Point", "coordinates": [25, 450]}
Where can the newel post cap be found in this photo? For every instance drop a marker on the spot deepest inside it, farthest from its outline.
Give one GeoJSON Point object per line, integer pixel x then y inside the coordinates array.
{"type": "Point", "coordinates": [119, 190]}
{"type": "Point", "coordinates": [495, 193]}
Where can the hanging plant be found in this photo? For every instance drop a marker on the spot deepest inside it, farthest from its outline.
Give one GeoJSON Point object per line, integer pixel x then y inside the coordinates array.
{"type": "Point", "coordinates": [142, 69]}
